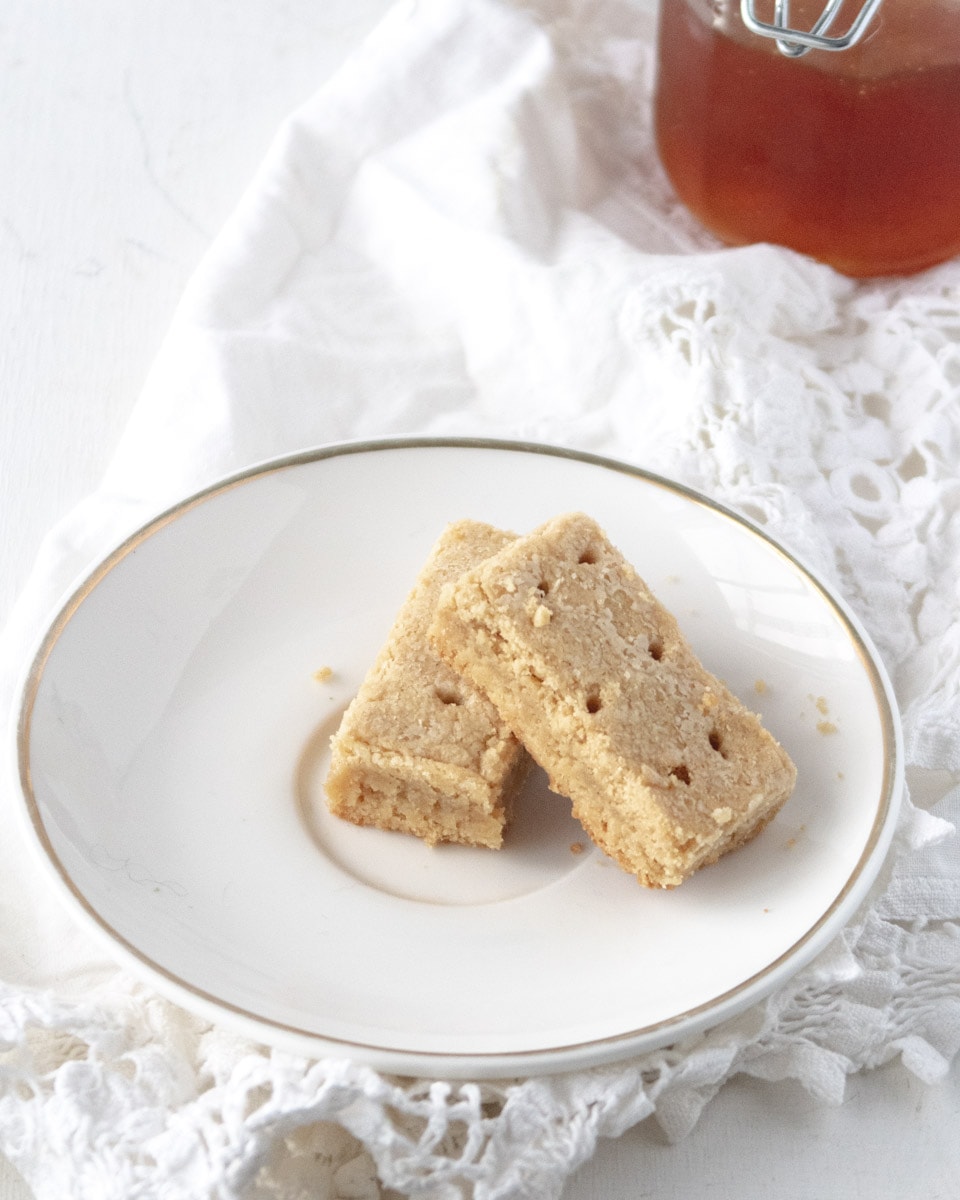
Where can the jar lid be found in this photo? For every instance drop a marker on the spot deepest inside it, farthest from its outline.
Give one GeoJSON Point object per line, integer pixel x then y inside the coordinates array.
{"type": "Point", "coordinates": [796, 42]}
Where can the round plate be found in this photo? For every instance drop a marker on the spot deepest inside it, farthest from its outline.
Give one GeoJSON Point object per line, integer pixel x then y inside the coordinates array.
{"type": "Point", "coordinates": [172, 745]}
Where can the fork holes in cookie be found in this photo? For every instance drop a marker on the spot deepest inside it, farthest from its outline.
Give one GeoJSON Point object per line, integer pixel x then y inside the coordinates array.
{"type": "Point", "coordinates": [448, 694]}
{"type": "Point", "coordinates": [716, 742]}
{"type": "Point", "coordinates": [681, 772]}
{"type": "Point", "coordinates": [588, 557]}
{"type": "Point", "coordinates": [594, 703]}
{"type": "Point", "coordinates": [655, 648]}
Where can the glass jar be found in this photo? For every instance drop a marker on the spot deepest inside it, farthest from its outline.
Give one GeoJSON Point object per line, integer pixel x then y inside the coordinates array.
{"type": "Point", "coordinates": [851, 155]}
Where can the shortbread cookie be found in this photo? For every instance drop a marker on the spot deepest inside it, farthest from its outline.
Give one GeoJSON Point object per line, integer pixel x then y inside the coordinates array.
{"type": "Point", "coordinates": [666, 769]}
{"type": "Point", "coordinates": [419, 749]}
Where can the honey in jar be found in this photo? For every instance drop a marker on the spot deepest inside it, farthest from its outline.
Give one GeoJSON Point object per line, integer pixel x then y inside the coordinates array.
{"type": "Point", "coordinates": [851, 156]}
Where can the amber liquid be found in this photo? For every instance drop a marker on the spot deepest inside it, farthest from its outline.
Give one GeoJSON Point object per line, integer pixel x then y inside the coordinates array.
{"type": "Point", "coordinates": [853, 158]}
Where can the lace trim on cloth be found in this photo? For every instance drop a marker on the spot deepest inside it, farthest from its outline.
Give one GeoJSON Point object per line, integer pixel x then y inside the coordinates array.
{"type": "Point", "coordinates": [134, 1098]}
{"type": "Point", "coordinates": [822, 410]}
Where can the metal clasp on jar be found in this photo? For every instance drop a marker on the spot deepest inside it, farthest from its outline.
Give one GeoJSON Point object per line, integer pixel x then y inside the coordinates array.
{"type": "Point", "coordinates": [796, 42]}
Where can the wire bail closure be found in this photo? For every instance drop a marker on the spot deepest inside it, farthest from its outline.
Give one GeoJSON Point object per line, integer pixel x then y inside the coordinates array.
{"type": "Point", "coordinates": [796, 42]}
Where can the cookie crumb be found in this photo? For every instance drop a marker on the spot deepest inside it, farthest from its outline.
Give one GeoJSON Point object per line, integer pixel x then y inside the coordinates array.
{"type": "Point", "coordinates": [576, 847]}
{"type": "Point", "coordinates": [826, 727]}
{"type": "Point", "coordinates": [323, 674]}
{"type": "Point", "coordinates": [760, 686]}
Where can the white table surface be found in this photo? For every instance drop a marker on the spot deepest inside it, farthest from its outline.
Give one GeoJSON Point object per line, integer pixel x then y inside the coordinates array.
{"type": "Point", "coordinates": [128, 129]}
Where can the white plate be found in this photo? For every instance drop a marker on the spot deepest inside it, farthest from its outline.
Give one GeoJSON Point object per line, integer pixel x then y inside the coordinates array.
{"type": "Point", "coordinates": [172, 746]}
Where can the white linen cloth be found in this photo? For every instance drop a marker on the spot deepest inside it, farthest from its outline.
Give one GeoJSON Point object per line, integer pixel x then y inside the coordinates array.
{"type": "Point", "coordinates": [467, 231]}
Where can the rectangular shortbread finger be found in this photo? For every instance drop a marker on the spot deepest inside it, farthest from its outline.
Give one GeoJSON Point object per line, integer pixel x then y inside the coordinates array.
{"type": "Point", "coordinates": [419, 749]}
{"type": "Point", "coordinates": [665, 768]}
